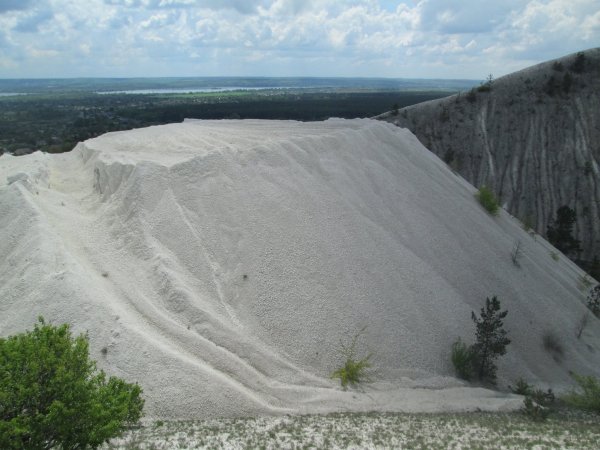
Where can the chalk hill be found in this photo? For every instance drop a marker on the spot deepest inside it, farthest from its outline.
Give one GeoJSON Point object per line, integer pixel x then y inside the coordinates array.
{"type": "Point", "coordinates": [533, 138]}
{"type": "Point", "coordinates": [220, 263]}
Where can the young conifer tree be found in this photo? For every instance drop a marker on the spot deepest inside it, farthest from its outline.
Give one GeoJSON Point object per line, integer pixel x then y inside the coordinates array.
{"type": "Point", "coordinates": [491, 340]}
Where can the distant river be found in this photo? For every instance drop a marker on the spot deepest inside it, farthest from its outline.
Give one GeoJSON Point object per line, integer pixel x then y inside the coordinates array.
{"type": "Point", "coordinates": [9, 94]}
{"type": "Point", "coordinates": [189, 90]}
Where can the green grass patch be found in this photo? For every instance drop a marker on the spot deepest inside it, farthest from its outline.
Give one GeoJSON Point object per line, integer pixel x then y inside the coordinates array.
{"type": "Point", "coordinates": [488, 200]}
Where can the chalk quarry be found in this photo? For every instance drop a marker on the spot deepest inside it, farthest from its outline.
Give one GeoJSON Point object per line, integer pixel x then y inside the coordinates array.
{"type": "Point", "coordinates": [220, 264]}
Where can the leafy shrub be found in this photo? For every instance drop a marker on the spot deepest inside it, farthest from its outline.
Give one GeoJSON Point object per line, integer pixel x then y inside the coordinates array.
{"type": "Point", "coordinates": [534, 411]}
{"type": "Point", "coordinates": [521, 387]}
{"type": "Point", "coordinates": [491, 340]}
{"type": "Point", "coordinates": [537, 402]}
{"type": "Point", "coordinates": [462, 359]}
{"type": "Point", "coordinates": [544, 398]}
{"type": "Point", "coordinates": [487, 199]}
{"type": "Point", "coordinates": [353, 371]}
{"type": "Point", "coordinates": [52, 396]}
{"type": "Point", "coordinates": [589, 395]}
{"type": "Point", "coordinates": [554, 256]}
{"type": "Point", "coordinates": [593, 301]}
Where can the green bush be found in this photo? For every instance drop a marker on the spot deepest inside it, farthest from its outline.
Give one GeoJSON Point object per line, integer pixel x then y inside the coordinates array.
{"type": "Point", "coordinates": [51, 395]}
{"type": "Point", "coordinates": [354, 370]}
{"type": "Point", "coordinates": [589, 395]}
{"type": "Point", "coordinates": [521, 387]}
{"type": "Point", "coordinates": [462, 359]}
{"type": "Point", "coordinates": [488, 200]}
{"type": "Point", "coordinates": [537, 403]}
{"type": "Point", "coordinates": [534, 410]}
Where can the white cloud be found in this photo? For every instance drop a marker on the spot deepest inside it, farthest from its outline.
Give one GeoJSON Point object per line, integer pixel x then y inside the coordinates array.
{"type": "Point", "coordinates": [428, 38]}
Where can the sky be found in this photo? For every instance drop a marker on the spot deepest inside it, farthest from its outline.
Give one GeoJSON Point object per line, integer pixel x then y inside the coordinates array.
{"type": "Point", "coordinates": [340, 38]}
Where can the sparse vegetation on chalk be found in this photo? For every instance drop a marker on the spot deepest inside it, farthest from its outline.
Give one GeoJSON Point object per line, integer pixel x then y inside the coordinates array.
{"type": "Point", "coordinates": [487, 86]}
{"type": "Point", "coordinates": [488, 200]}
{"type": "Point", "coordinates": [593, 301]}
{"type": "Point", "coordinates": [491, 340]}
{"type": "Point", "coordinates": [588, 394]}
{"type": "Point", "coordinates": [584, 282]}
{"type": "Point", "coordinates": [563, 429]}
{"type": "Point", "coordinates": [582, 323]}
{"type": "Point", "coordinates": [560, 231]}
{"type": "Point", "coordinates": [478, 361]}
{"type": "Point", "coordinates": [517, 253]}
{"type": "Point", "coordinates": [462, 359]}
{"type": "Point", "coordinates": [537, 402]}
{"type": "Point", "coordinates": [52, 396]}
{"type": "Point", "coordinates": [354, 371]}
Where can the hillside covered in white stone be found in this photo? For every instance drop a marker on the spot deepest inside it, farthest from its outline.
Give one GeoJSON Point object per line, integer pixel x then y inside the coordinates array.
{"type": "Point", "coordinates": [534, 138]}
{"type": "Point", "coordinates": [220, 263]}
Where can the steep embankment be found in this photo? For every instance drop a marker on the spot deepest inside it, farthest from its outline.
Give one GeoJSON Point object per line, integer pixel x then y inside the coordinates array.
{"type": "Point", "coordinates": [534, 138]}
{"type": "Point", "coordinates": [220, 263]}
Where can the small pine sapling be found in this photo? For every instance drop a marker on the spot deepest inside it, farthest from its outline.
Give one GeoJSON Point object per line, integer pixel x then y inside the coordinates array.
{"type": "Point", "coordinates": [491, 340]}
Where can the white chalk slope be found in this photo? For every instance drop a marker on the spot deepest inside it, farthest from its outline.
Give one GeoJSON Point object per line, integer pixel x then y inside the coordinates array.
{"type": "Point", "coordinates": [219, 263]}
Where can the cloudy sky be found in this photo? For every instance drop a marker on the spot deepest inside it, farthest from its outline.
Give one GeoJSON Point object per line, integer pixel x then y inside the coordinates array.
{"type": "Point", "coordinates": [352, 38]}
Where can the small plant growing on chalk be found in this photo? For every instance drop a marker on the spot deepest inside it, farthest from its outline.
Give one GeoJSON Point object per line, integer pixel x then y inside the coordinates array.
{"type": "Point", "coordinates": [582, 323]}
{"type": "Point", "coordinates": [491, 340]}
{"type": "Point", "coordinates": [517, 253]}
{"type": "Point", "coordinates": [462, 359]}
{"type": "Point", "coordinates": [521, 387]}
{"type": "Point", "coordinates": [488, 200]}
{"type": "Point", "coordinates": [588, 395]}
{"type": "Point", "coordinates": [554, 256]}
{"type": "Point", "coordinates": [354, 370]}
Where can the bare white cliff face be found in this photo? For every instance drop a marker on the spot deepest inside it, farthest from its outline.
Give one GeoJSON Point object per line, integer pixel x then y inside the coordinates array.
{"type": "Point", "coordinates": [534, 138]}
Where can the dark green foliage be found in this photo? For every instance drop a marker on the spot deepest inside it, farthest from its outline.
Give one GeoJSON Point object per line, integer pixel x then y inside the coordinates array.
{"type": "Point", "coordinates": [594, 269]}
{"type": "Point", "coordinates": [560, 231]}
{"type": "Point", "coordinates": [471, 96]}
{"type": "Point", "coordinates": [395, 109]}
{"type": "Point", "coordinates": [491, 340]}
{"type": "Point", "coordinates": [593, 300]}
{"type": "Point", "coordinates": [354, 370]}
{"type": "Point", "coordinates": [567, 82]}
{"type": "Point", "coordinates": [52, 396]}
{"type": "Point", "coordinates": [558, 66]}
{"type": "Point", "coordinates": [488, 200]}
{"type": "Point", "coordinates": [550, 86]}
{"type": "Point", "coordinates": [588, 396]}
{"type": "Point", "coordinates": [534, 411]}
{"type": "Point", "coordinates": [521, 387]}
{"type": "Point", "coordinates": [462, 359]}
{"type": "Point", "coordinates": [487, 86]}
{"type": "Point", "coordinates": [579, 64]}
{"type": "Point", "coordinates": [537, 402]}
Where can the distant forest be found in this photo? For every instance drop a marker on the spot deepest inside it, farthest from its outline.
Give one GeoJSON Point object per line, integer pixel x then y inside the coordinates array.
{"type": "Point", "coordinates": [53, 115]}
